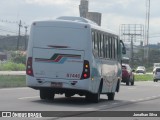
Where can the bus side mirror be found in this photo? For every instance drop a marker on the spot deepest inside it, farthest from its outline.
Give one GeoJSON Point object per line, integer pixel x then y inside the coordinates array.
{"type": "Point", "coordinates": [123, 48]}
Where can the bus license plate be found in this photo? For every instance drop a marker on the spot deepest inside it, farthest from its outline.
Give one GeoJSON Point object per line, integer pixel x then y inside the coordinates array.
{"type": "Point", "coordinates": [56, 84]}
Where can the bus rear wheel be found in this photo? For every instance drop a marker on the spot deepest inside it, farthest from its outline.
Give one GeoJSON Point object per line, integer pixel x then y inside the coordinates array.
{"type": "Point", "coordinates": [110, 96]}
{"type": "Point", "coordinates": [46, 94]}
{"type": "Point", "coordinates": [94, 97]}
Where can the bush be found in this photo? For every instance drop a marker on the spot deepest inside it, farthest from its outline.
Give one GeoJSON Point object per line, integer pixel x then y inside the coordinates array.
{"type": "Point", "coordinates": [18, 57]}
{"type": "Point", "coordinates": [10, 66]}
{"type": "Point", "coordinates": [16, 62]}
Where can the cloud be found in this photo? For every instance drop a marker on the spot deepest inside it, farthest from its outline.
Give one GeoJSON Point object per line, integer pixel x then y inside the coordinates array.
{"type": "Point", "coordinates": [114, 12]}
{"type": "Point", "coordinates": [48, 2]}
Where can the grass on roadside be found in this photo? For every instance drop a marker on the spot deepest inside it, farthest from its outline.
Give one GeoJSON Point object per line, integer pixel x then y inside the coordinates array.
{"type": "Point", "coordinates": [12, 81]}
{"type": "Point", "coordinates": [11, 66]}
{"type": "Point", "coordinates": [143, 77]}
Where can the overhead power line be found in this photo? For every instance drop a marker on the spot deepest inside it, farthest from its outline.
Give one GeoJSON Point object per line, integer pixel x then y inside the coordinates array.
{"type": "Point", "coordinates": [11, 22]}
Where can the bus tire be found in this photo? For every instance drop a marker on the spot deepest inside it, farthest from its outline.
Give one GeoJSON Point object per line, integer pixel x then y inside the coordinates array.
{"type": "Point", "coordinates": [110, 96]}
{"type": "Point", "coordinates": [88, 97]}
{"type": "Point", "coordinates": [68, 95]}
{"type": "Point", "coordinates": [132, 83]}
{"type": "Point", "coordinates": [94, 97]}
{"type": "Point", "coordinates": [42, 94]}
{"type": "Point", "coordinates": [118, 86]}
{"type": "Point", "coordinates": [46, 94]}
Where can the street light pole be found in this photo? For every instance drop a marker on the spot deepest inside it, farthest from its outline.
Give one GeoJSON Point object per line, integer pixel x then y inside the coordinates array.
{"type": "Point", "coordinates": [19, 34]}
{"type": "Point", "coordinates": [131, 56]}
{"type": "Point", "coordinates": [147, 30]}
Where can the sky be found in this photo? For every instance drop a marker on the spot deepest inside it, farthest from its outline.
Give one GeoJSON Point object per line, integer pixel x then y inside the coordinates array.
{"type": "Point", "coordinates": [114, 13]}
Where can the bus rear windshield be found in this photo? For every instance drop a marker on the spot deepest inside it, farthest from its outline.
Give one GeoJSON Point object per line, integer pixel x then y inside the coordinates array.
{"type": "Point", "coordinates": [56, 36]}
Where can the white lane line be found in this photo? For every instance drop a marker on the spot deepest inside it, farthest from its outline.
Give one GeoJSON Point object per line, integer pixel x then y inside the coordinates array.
{"type": "Point", "coordinates": [146, 98]}
{"type": "Point", "coordinates": [115, 103]}
{"type": "Point", "coordinates": [133, 100]}
{"type": "Point", "coordinates": [89, 108]}
{"type": "Point", "coordinates": [22, 98]}
{"type": "Point", "coordinates": [103, 106]}
{"type": "Point", "coordinates": [154, 96]}
{"type": "Point", "coordinates": [141, 99]}
{"type": "Point", "coordinates": [132, 88]}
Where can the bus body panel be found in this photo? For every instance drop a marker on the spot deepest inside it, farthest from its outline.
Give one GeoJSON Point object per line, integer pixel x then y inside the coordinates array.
{"type": "Point", "coordinates": [57, 63]}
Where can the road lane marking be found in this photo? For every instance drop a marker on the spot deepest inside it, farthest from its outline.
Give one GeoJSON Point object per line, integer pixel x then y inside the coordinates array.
{"type": "Point", "coordinates": [154, 96]}
{"type": "Point", "coordinates": [103, 106]}
{"type": "Point", "coordinates": [133, 100]}
{"type": "Point", "coordinates": [115, 103]}
{"type": "Point", "coordinates": [141, 99]}
{"type": "Point", "coordinates": [90, 108]}
{"type": "Point", "coordinates": [146, 98]}
{"type": "Point", "coordinates": [132, 88]}
{"type": "Point", "coordinates": [22, 98]}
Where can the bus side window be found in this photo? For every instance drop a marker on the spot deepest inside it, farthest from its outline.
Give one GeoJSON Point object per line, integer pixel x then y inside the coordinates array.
{"type": "Point", "coordinates": [95, 45]}
{"type": "Point", "coordinates": [98, 43]}
{"type": "Point", "coordinates": [104, 46]}
{"type": "Point", "coordinates": [112, 47]}
{"type": "Point", "coordinates": [119, 50]}
{"type": "Point", "coordinates": [93, 41]}
{"type": "Point", "coordinates": [116, 48]}
{"type": "Point", "coordinates": [107, 47]}
{"type": "Point", "coordinates": [111, 41]}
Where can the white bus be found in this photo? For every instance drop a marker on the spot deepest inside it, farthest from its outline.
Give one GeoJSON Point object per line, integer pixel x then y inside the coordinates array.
{"type": "Point", "coordinates": [72, 55]}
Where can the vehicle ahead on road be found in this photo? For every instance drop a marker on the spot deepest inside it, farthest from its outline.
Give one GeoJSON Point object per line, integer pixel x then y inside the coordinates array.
{"type": "Point", "coordinates": [127, 74]}
{"type": "Point", "coordinates": [72, 55]}
{"type": "Point", "coordinates": [156, 74]}
{"type": "Point", "coordinates": [156, 65]}
{"type": "Point", "coordinates": [141, 69]}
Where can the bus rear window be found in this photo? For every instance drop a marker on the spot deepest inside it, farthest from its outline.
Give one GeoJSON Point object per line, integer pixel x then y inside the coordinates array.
{"type": "Point", "coordinates": [56, 36]}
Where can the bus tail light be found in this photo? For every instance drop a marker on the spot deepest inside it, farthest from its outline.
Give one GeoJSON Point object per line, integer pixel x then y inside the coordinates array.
{"type": "Point", "coordinates": [29, 69]}
{"type": "Point", "coordinates": [86, 70]}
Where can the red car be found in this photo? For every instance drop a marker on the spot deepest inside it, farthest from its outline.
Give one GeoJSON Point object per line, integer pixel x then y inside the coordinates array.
{"type": "Point", "coordinates": [127, 74]}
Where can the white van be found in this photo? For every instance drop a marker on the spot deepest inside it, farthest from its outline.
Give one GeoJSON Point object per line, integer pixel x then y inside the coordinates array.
{"type": "Point", "coordinates": [72, 55]}
{"type": "Point", "coordinates": [156, 74]}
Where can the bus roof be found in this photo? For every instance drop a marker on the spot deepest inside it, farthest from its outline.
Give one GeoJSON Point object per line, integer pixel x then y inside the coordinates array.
{"type": "Point", "coordinates": [78, 21]}
{"type": "Point", "coordinates": [86, 21]}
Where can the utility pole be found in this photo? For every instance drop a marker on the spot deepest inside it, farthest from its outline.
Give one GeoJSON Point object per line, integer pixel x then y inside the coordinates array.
{"type": "Point", "coordinates": [19, 34]}
{"type": "Point", "coordinates": [146, 51]}
{"type": "Point", "coordinates": [26, 27]}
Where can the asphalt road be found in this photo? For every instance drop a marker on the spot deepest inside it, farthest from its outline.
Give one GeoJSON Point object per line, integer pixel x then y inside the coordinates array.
{"type": "Point", "coordinates": [143, 96]}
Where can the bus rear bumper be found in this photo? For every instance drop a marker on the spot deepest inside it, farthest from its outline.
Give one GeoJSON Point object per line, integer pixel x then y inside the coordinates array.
{"type": "Point", "coordinates": [60, 86]}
